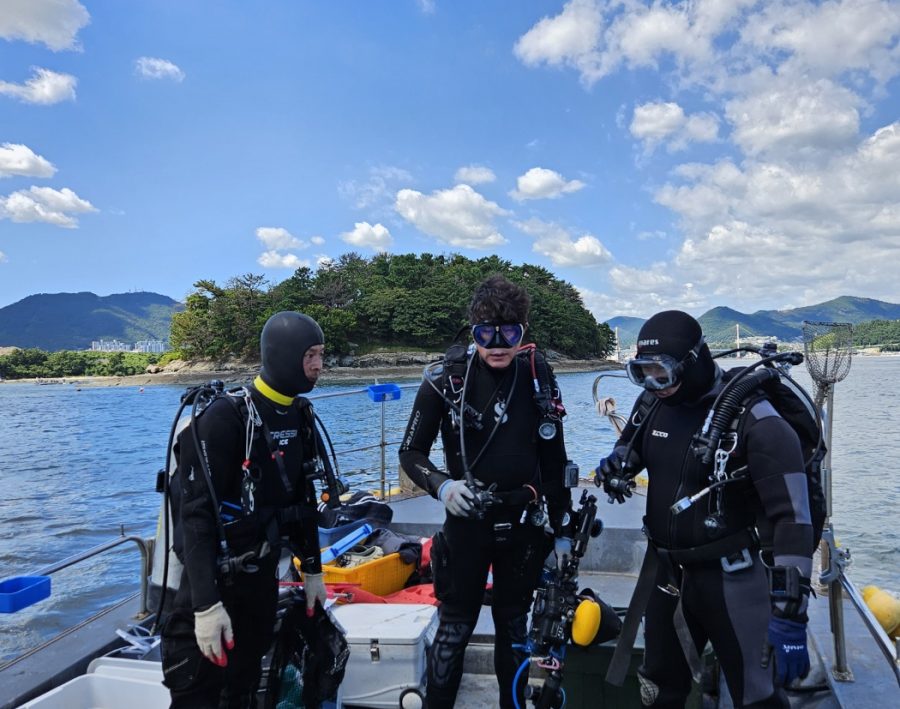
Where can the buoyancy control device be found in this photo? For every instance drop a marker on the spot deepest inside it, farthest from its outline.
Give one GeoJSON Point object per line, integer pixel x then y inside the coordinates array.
{"type": "Point", "coordinates": [167, 566]}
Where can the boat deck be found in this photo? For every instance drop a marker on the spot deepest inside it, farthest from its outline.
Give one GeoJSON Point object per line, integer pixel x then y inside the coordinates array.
{"type": "Point", "coordinates": [609, 566]}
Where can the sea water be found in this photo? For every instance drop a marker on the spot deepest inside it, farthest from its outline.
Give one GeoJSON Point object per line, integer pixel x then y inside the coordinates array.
{"type": "Point", "coordinates": [78, 466]}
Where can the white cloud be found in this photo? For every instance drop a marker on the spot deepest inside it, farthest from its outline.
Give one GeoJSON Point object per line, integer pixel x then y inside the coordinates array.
{"type": "Point", "coordinates": [45, 87]}
{"type": "Point", "coordinates": [786, 119]}
{"type": "Point", "coordinates": [656, 123]}
{"type": "Point", "coordinates": [378, 190]}
{"type": "Point", "coordinates": [276, 259]}
{"type": "Point", "coordinates": [54, 23]}
{"type": "Point", "coordinates": [557, 244]}
{"type": "Point", "coordinates": [474, 175]}
{"type": "Point", "coordinates": [787, 233]}
{"type": "Point", "coordinates": [459, 216]}
{"type": "Point", "coordinates": [317, 240]}
{"type": "Point", "coordinates": [540, 183]}
{"type": "Point", "coordinates": [802, 37]}
{"type": "Point", "coordinates": [279, 238]}
{"type": "Point", "coordinates": [427, 7]}
{"type": "Point", "coordinates": [828, 39]}
{"type": "Point", "coordinates": [567, 40]}
{"type": "Point", "coordinates": [798, 205]}
{"type": "Point", "coordinates": [155, 68]}
{"type": "Point", "coordinates": [365, 235]}
{"type": "Point", "coordinates": [45, 204]}
{"type": "Point", "coordinates": [3, 258]}
{"type": "Point", "coordinates": [17, 159]}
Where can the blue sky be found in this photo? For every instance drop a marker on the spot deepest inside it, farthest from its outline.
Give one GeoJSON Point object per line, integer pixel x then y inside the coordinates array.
{"type": "Point", "coordinates": [653, 154]}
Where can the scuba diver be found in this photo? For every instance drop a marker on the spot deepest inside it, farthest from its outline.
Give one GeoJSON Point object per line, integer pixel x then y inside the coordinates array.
{"type": "Point", "coordinates": [704, 577]}
{"type": "Point", "coordinates": [505, 455]}
{"type": "Point", "coordinates": [243, 489]}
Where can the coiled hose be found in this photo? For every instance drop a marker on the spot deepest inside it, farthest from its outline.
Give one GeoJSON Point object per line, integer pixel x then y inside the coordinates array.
{"type": "Point", "coordinates": [728, 403]}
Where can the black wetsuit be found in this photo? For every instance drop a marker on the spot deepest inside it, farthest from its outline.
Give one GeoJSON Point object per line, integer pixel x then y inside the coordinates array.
{"type": "Point", "coordinates": [730, 609]}
{"type": "Point", "coordinates": [464, 550]}
{"type": "Point", "coordinates": [251, 598]}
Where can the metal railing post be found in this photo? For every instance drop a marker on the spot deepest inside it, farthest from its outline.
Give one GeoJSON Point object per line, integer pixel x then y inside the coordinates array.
{"type": "Point", "coordinates": [106, 546]}
{"type": "Point", "coordinates": [383, 445]}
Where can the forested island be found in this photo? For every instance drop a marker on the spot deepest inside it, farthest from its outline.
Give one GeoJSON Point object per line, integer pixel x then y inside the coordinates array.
{"type": "Point", "coordinates": [388, 302]}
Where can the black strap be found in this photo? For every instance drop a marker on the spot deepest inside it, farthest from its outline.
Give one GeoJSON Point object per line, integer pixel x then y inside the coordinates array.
{"type": "Point", "coordinates": [621, 659]}
{"type": "Point", "coordinates": [744, 539]}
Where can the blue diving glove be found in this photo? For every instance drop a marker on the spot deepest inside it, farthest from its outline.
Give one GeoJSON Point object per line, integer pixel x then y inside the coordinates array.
{"type": "Point", "coordinates": [610, 474]}
{"type": "Point", "coordinates": [787, 641]}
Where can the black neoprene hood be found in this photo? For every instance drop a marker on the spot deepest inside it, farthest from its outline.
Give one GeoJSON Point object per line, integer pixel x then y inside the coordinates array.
{"type": "Point", "coordinates": [675, 333]}
{"type": "Point", "coordinates": [285, 338]}
{"type": "Point", "coordinates": [670, 332]}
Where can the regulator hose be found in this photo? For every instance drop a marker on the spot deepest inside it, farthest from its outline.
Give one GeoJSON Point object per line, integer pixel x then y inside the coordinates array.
{"type": "Point", "coordinates": [728, 404]}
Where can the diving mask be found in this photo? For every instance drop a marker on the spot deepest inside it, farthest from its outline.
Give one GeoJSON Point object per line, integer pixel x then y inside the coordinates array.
{"type": "Point", "coordinates": [656, 372]}
{"type": "Point", "coordinates": [502, 335]}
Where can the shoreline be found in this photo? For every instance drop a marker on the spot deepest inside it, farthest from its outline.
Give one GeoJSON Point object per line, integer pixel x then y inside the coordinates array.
{"type": "Point", "coordinates": [200, 374]}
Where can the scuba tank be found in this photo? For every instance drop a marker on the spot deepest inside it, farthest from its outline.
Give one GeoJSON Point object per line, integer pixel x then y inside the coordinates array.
{"type": "Point", "coordinates": [165, 527]}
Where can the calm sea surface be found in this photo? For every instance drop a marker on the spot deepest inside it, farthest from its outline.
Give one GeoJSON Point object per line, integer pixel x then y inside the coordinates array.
{"type": "Point", "coordinates": [79, 464]}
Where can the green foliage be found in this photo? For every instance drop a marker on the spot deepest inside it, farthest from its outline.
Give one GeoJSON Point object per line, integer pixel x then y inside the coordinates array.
{"type": "Point", "coordinates": [417, 301]}
{"type": "Point", "coordinates": [878, 333]}
{"type": "Point", "coordinates": [35, 363]}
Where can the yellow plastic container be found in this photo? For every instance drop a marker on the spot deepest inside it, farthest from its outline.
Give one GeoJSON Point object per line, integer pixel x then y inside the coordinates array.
{"type": "Point", "coordinates": [381, 576]}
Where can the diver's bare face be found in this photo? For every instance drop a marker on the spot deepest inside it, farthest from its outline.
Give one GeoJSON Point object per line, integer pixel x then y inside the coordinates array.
{"type": "Point", "coordinates": [497, 357]}
{"type": "Point", "coordinates": [666, 393]}
{"type": "Point", "coordinates": [312, 362]}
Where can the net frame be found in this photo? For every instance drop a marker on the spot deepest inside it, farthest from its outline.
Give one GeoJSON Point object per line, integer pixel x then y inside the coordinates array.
{"type": "Point", "coordinates": [828, 350]}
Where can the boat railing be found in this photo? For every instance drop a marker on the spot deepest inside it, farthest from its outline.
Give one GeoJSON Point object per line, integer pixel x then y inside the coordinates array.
{"type": "Point", "coordinates": [143, 545]}
{"type": "Point", "coordinates": [384, 440]}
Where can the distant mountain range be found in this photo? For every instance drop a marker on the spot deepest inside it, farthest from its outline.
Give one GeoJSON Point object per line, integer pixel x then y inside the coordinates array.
{"type": "Point", "coordinates": [783, 325]}
{"type": "Point", "coordinates": [70, 321]}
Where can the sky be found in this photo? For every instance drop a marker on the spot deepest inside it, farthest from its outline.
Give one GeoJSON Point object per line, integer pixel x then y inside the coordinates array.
{"type": "Point", "coordinates": [653, 154]}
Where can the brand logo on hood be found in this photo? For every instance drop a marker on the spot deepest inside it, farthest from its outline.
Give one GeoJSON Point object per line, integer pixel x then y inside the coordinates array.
{"type": "Point", "coordinates": [647, 343]}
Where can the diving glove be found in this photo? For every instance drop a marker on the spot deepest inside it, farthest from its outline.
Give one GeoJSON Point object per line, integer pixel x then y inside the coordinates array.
{"type": "Point", "coordinates": [457, 497]}
{"type": "Point", "coordinates": [209, 628]}
{"type": "Point", "coordinates": [787, 643]}
{"type": "Point", "coordinates": [314, 585]}
{"type": "Point", "coordinates": [612, 476]}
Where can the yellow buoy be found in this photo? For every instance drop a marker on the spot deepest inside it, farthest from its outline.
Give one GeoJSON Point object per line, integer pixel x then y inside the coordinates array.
{"type": "Point", "coordinates": [586, 622]}
{"type": "Point", "coordinates": [885, 608]}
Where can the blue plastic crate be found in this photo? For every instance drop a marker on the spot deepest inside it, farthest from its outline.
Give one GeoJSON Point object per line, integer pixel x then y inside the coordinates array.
{"type": "Point", "coordinates": [384, 392]}
{"type": "Point", "coordinates": [20, 592]}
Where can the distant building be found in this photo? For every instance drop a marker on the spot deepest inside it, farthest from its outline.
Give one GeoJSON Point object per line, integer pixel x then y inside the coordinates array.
{"type": "Point", "coordinates": [110, 346]}
{"type": "Point", "coordinates": [156, 346]}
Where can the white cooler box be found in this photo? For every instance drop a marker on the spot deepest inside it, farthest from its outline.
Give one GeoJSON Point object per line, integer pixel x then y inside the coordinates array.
{"type": "Point", "coordinates": [387, 653]}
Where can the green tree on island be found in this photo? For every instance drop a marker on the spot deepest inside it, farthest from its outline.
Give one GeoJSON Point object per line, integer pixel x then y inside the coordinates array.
{"type": "Point", "coordinates": [391, 300]}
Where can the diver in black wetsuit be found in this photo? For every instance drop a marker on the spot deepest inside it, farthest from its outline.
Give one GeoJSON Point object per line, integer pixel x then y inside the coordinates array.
{"type": "Point", "coordinates": [222, 625]}
{"type": "Point", "coordinates": [502, 448]}
{"type": "Point", "coordinates": [710, 581]}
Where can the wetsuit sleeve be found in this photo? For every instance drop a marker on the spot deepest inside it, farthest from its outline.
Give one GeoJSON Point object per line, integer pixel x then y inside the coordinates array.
{"type": "Point", "coordinates": [421, 432]}
{"type": "Point", "coordinates": [775, 461]}
{"type": "Point", "coordinates": [308, 544]}
{"type": "Point", "coordinates": [304, 535]}
{"type": "Point", "coordinates": [219, 435]}
{"type": "Point", "coordinates": [627, 451]}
